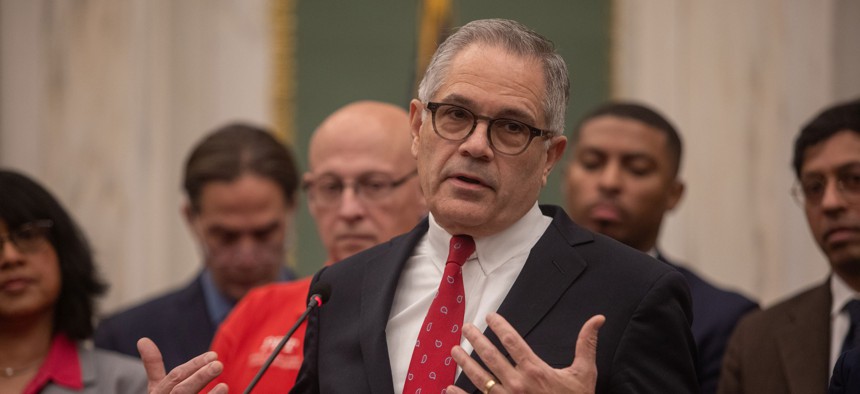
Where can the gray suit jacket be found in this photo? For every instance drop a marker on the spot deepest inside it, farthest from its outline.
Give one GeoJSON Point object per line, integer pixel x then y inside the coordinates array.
{"type": "Point", "coordinates": [782, 349]}
{"type": "Point", "coordinates": [105, 372]}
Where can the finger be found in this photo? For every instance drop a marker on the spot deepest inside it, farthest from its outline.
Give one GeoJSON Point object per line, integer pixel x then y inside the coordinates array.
{"type": "Point", "coordinates": [152, 361]}
{"type": "Point", "coordinates": [199, 379]}
{"type": "Point", "coordinates": [220, 388]}
{"type": "Point", "coordinates": [586, 343]}
{"type": "Point", "coordinates": [471, 368]}
{"type": "Point", "coordinates": [454, 390]}
{"type": "Point", "coordinates": [492, 357]}
{"type": "Point", "coordinates": [511, 340]}
{"type": "Point", "coordinates": [190, 377]}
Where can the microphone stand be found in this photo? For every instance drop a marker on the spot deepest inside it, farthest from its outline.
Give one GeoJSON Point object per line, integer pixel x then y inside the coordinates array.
{"type": "Point", "coordinates": [316, 301]}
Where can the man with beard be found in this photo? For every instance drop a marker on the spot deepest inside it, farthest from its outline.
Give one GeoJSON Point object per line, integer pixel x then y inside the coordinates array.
{"type": "Point", "coordinates": [621, 182]}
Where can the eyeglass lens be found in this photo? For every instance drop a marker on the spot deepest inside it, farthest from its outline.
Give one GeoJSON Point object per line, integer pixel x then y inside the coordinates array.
{"type": "Point", "coordinates": [455, 123]}
{"type": "Point", "coordinates": [369, 187]}
{"type": "Point", "coordinates": [29, 237]}
{"type": "Point", "coordinates": [812, 188]}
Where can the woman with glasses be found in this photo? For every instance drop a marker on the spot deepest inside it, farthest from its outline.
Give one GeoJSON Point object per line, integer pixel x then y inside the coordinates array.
{"type": "Point", "coordinates": [48, 285]}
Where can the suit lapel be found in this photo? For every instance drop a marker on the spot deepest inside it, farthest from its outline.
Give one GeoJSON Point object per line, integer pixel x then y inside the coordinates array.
{"type": "Point", "coordinates": [379, 284]}
{"type": "Point", "coordinates": [804, 342]}
{"type": "Point", "coordinates": [551, 268]}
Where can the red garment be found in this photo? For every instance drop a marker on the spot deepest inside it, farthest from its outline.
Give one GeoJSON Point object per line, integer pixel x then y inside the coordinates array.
{"type": "Point", "coordinates": [252, 331]}
{"type": "Point", "coordinates": [61, 366]}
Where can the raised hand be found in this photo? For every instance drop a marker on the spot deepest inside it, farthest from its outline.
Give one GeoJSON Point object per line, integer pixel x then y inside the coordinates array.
{"type": "Point", "coordinates": [529, 374]}
{"type": "Point", "coordinates": [187, 378]}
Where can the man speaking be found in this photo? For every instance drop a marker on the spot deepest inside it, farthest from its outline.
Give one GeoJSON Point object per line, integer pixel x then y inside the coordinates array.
{"type": "Point", "coordinates": [486, 132]}
{"type": "Point", "coordinates": [490, 291]}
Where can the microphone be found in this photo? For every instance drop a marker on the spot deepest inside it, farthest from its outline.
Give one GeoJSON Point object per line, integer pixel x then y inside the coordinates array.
{"type": "Point", "coordinates": [320, 292]}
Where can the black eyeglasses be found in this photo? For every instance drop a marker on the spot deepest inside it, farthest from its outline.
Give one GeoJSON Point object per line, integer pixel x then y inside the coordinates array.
{"type": "Point", "coordinates": [29, 237]}
{"type": "Point", "coordinates": [810, 190]}
{"type": "Point", "coordinates": [506, 136]}
{"type": "Point", "coordinates": [370, 187]}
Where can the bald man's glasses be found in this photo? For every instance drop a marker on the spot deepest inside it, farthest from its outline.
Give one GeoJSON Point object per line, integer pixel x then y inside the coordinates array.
{"type": "Point", "coordinates": [506, 136]}
{"type": "Point", "coordinates": [370, 187]}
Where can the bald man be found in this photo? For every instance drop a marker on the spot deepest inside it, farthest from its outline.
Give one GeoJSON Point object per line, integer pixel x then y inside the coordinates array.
{"type": "Point", "coordinates": [361, 184]}
{"type": "Point", "coordinates": [362, 191]}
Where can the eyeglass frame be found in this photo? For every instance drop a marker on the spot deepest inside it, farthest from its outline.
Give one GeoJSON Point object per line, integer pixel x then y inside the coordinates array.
{"type": "Point", "coordinates": [849, 195]}
{"type": "Point", "coordinates": [432, 106]}
{"type": "Point", "coordinates": [391, 185]}
{"type": "Point", "coordinates": [12, 236]}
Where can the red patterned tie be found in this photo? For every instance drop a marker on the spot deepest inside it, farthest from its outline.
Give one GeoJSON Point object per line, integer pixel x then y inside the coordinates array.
{"type": "Point", "coordinates": [432, 369]}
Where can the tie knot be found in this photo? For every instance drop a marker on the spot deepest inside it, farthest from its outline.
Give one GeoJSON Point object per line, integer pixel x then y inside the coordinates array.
{"type": "Point", "coordinates": [853, 309]}
{"type": "Point", "coordinates": [461, 248]}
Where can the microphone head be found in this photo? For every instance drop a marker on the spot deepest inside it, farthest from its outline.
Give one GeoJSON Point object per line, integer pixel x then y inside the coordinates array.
{"type": "Point", "coordinates": [322, 291]}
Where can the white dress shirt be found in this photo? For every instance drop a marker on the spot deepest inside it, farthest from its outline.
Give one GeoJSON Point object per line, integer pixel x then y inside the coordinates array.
{"type": "Point", "coordinates": [488, 274]}
{"type": "Point", "coordinates": [840, 322]}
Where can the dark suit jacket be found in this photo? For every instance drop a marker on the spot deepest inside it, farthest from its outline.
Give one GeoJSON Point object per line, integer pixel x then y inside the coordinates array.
{"type": "Point", "coordinates": [571, 274]}
{"type": "Point", "coordinates": [178, 322]}
{"type": "Point", "coordinates": [782, 349]}
{"type": "Point", "coordinates": [716, 312]}
{"type": "Point", "coordinates": [846, 373]}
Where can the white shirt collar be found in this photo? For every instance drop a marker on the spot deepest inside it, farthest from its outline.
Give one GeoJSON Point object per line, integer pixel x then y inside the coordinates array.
{"type": "Point", "coordinates": [842, 293]}
{"type": "Point", "coordinates": [494, 250]}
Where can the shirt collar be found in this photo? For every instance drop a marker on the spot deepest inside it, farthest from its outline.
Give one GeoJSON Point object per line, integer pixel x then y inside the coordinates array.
{"type": "Point", "coordinates": [62, 367]}
{"type": "Point", "coordinates": [494, 250]}
{"type": "Point", "coordinates": [219, 304]}
{"type": "Point", "coordinates": [842, 293]}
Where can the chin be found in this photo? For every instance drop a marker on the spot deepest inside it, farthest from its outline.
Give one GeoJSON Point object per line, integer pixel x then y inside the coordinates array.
{"type": "Point", "coordinates": [348, 251]}
{"type": "Point", "coordinates": [462, 216]}
{"type": "Point", "coordinates": [847, 263]}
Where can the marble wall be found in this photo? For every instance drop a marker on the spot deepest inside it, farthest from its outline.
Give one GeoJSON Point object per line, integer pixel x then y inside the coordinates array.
{"type": "Point", "coordinates": [739, 78]}
{"type": "Point", "coordinates": [101, 100]}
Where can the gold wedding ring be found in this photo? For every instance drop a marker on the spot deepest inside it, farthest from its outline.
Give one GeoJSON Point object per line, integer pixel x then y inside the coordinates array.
{"type": "Point", "coordinates": [489, 386]}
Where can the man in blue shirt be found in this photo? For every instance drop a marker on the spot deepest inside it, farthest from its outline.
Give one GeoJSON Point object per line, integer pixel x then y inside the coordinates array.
{"type": "Point", "coordinates": [241, 185]}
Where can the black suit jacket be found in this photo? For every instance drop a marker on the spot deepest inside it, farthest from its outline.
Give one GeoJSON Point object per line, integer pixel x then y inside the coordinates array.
{"type": "Point", "coordinates": [570, 275]}
{"type": "Point", "coordinates": [716, 312]}
{"type": "Point", "coordinates": [178, 322]}
{"type": "Point", "coordinates": [846, 373]}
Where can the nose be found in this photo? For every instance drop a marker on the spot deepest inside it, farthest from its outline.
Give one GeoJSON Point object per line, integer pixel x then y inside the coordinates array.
{"type": "Point", "coordinates": [9, 254]}
{"type": "Point", "coordinates": [477, 144]}
{"type": "Point", "coordinates": [610, 178]}
{"type": "Point", "coordinates": [351, 208]}
{"type": "Point", "coordinates": [832, 200]}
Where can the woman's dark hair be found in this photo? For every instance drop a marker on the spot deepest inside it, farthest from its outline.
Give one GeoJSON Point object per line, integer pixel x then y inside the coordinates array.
{"type": "Point", "coordinates": [22, 200]}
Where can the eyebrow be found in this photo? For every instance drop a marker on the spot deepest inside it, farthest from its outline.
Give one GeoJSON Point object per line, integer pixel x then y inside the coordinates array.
{"type": "Point", "coordinates": [507, 112]}
{"type": "Point", "coordinates": [842, 167]}
{"type": "Point", "coordinates": [629, 155]}
{"type": "Point", "coordinates": [220, 228]}
{"type": "Point", "coordinates": [358, 176]}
